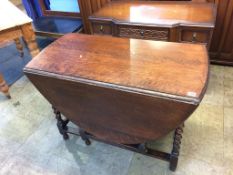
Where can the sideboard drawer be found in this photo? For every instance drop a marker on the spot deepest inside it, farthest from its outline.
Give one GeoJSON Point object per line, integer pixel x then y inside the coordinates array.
{"type": "Point", "coordinates": [199, 36]}
{"type": "Point", "coordinates": [102, 28]}
{"type": "Point", "coordinates": [151, 33]}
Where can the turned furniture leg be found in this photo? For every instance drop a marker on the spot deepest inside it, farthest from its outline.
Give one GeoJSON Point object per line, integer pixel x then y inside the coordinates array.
{"type": "Point", "coordinates": [142, 147]}
{"type": "Point", "coordinates": [19, 46]}
{"type": "Point", "coordinates": [61, 124]}
{"type": "Point", "coordinates": [4, 87]}
{"type": "Point", "coordinates": [176, 147]}
{"type": "Point", "coordinates": [84, 137]}
{"type": "Point", "coordinates": [30, 38]}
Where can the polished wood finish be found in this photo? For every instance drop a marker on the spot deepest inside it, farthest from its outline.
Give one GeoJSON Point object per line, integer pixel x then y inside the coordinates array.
{"type": "Point", "coordinates": [88, 7]}
{"type": "Point", "coordinates": [164, 14]}
{"type": "Point", "coordinates": [15, 24]}
{"type": "Point", "coordinates": [168, 21]}
{"type": "Point", "coordinates": [124, 90]}
{"type": "Point", "coordinates": [221, 50]}
{"type": "Point", "coordinates": [121, 91]}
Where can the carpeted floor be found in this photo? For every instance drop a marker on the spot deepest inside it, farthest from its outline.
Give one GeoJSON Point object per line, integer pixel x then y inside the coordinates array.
{"type": "Point", "coordinates": [11, 64]}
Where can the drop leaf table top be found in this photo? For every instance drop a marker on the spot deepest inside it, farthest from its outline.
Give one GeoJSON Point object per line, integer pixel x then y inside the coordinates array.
{"type": "Point", "coordinates": [124, 90]}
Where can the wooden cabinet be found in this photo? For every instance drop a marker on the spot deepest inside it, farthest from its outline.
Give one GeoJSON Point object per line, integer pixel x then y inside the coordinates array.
{"type": "Point", "coordinates": [165, 21]}
{"type": "Point", "coordinates": [142, 32]}
{"type": "Point", "coordinates": [221, 50]}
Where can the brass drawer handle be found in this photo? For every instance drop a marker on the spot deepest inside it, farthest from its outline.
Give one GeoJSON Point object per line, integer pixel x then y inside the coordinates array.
{"type": "Point", "coordinates": [101, 29]}
{"type": "Point", "coordinates": [194, 39]}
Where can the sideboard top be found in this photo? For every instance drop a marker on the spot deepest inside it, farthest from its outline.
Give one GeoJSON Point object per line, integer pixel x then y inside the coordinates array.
{"type": "Point", "coordinates": [164, 14]}
{"type": "Point", "coordinates": [155, 68]}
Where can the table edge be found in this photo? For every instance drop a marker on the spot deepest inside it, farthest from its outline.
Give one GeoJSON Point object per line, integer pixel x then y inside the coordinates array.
{"type": "Point", "coordinates": [184, 99]}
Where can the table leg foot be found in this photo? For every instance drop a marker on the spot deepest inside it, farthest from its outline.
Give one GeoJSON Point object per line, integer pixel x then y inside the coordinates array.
{"type": "Point", "coordinates": [61, 124]}
{"type": "Point", "coordinates": [8, 95]}
{"type": "Point", "coordinates": [84, 137]}
{"type": "Point", "coordinates": [142, 147]}
{"type": "Point", "coordinates": [176, 148]}
{"type": "Point", "coordinates": [4, 87]}
{"type": "Point", "coordinates": [19, 46]}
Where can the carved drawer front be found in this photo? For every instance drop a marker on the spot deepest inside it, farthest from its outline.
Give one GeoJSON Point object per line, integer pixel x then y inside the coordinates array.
{"type": "Point", "coordinates": [144, 33]}
{"type": "Point", "coordinates": [195, 36]}
{"type": "Point", "coordinates": [102, 28]}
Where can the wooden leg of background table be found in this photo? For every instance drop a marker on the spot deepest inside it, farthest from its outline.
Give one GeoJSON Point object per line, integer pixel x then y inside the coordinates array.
{"type": "Point", "coordinates": [19, 46]}
{"type": "Point", "coordinates": [30, 38]}
{"type": "Point", "coordinates": [4, 87]}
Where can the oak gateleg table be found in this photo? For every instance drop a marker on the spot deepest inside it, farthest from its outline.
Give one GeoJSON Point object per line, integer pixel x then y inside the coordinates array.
{"type": "Point", "coordinates": [121, 91]}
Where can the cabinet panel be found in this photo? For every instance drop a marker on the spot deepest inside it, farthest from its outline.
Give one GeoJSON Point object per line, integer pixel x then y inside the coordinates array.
{"type": "Point", "coordinates": [141, 32]}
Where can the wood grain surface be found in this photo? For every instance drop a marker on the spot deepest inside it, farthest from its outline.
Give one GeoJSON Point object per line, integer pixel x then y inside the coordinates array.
{"type": "Point", "coordinates": [121, 90]}
{"type": "Point", "coordinates": [163, 14]}
{"type": "Point", "coordinates": [146, 66]}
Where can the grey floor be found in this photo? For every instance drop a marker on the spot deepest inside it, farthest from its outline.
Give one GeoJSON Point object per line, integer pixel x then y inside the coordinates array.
{"type": "Point", "coordinates": [31, 144]}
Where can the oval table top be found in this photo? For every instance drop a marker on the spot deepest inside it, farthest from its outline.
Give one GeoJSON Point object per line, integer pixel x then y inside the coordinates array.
{"type": "Point", "coordinates": [176, 70]}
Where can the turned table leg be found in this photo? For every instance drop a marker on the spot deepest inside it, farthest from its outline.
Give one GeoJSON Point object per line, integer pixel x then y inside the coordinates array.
{"type": "Point", "coordinates": [61, 124]}
{"type": "Point", "coordinates": [84, 136]}
{"type": "Point", "coordinates": [30, 38]}
{"type": "Point", "coordinates": [176, 147]}
{"type": "Point", "coordinates": [19, 46]}
{"type": "Point", "coordinates": [4, 87]}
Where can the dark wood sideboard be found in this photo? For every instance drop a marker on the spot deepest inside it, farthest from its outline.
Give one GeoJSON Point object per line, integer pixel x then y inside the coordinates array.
{"type": "Point", "coordinates": [166, 21]}
{"type": "Point", "coordinates": [120, 94]}
{"type": "Point", "coordinates": [221, 48]}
